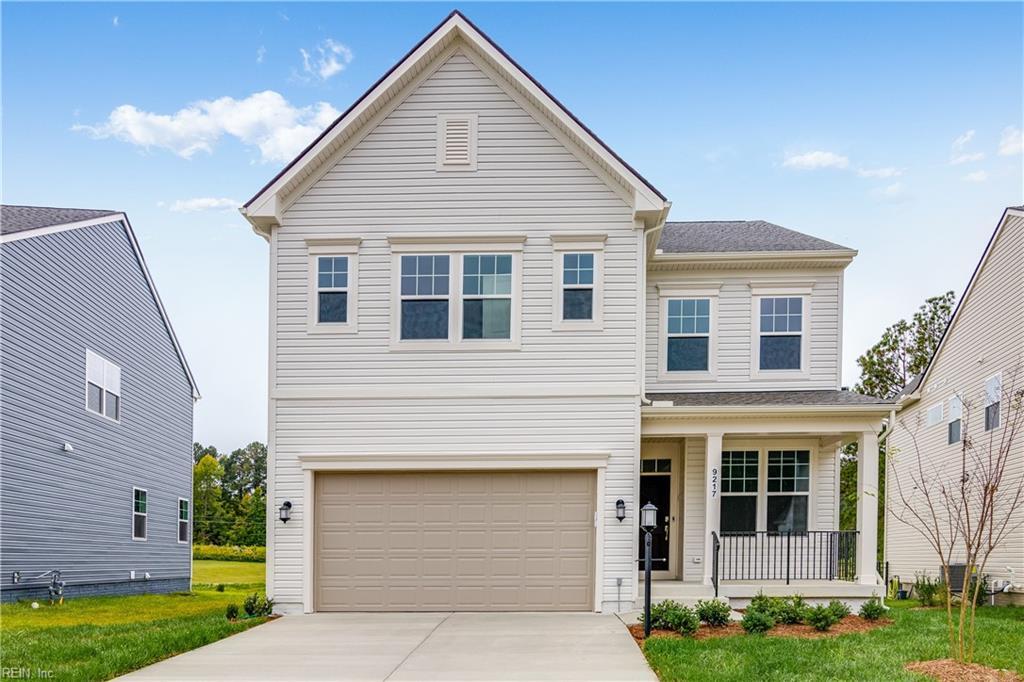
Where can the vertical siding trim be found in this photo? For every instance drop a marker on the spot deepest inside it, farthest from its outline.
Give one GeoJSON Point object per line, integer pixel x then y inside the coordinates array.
{"type": "Point", "coordinates": [272, 415]}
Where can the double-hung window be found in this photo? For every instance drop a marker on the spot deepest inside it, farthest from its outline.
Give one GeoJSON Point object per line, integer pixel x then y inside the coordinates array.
{"type": "Point", "coordinates": [425, 297]}
{"type": "Point", "coordinates": [953, 426]}
{"type": "Point", "coordinates": [333, 285]}
{"type": "Point", "coordinates": [487, 296]}
{"type": "Point", "coordinates": [140, 513]}
{"type": "Point", "coordinates": [993, 397]}
{"type": "Point", "coordinates": [578, 282]}
{"type": "Point", "coordinates": [739, 491]}
{"type": "Point", "coordinates": [688, 345]}
{"type": "Point", "coordinates": [781, 325]}
{"type": "Point", "coordinates": [577, 286]}
{"type": "Point", "coordinates": [183, 519]}
{"type": "Point", "coordinates": [332, 289]}
{"type": "Point", "coordinates": [788, 489]}
{"type": "Point", "coordinates": [102, 386]}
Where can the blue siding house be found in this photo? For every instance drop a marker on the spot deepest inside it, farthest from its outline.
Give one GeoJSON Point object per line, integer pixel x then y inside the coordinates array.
{"type": "Point", "coordinates": [95, 412]}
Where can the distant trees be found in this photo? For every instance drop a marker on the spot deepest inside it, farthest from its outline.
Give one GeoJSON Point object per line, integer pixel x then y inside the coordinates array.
{"type": "Point", "coordinates": [229, 495]}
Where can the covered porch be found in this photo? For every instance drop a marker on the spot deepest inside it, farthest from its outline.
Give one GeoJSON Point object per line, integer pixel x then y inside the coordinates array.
{"type": "Point", "coordinates": [747, 487]}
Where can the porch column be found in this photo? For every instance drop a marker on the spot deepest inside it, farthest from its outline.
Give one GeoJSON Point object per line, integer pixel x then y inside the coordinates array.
{"type": "Point", "coordinates": [712, 498]}
{"type": "Point", "coordinates": [867, 507]}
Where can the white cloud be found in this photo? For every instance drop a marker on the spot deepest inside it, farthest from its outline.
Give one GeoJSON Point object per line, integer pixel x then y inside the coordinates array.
{"type": "Point", "coordinates": [264, 119]}
{"type": "Point", "coordinates": [815, 160]}
{"type": "Point", "coordinates": [261, 52]}
{"type": "Point", "coordinates": [887, 172]}
{"type": "Point", "coordinates": [976, 176]}
{"type": "Point", "coordinates": [1011, 142]}
{"type": "Point", "coordinates": [894, 192]}
{"type": "Point", "coordinates": [959, 153]}
{"type": "Point", "coordinates": [203, 204]}
{"type": "Point", "coordinates": [116, 21]}
{"type": "Point", "coordinates": [327, 59]}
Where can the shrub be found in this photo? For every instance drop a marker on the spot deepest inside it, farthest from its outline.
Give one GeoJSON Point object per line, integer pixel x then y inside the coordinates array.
{"type": "Point", "coordinates": [258, 605]}
{"type": "Point", "coordinates": [927, 589]}
{"type": "Point", "coordinates": [839, 609]}
{"type": "Point", "coordinates": [821, 617]}
{"type": "Point", "coordinates": [790, 611]}
{"type": "Point", "coordinates": [671, 615]}
{"type": "Point", "coordinates": [713, 612]}
{"type": "Point", "coordinates": [756, 621]}
{"type": "Point", "coordinates": [232, 612]}
{"type": "Point", "coordinates": [872, 609]}
{"type": "Point", "coordinates": [220, 587]}
{"type": "Point", "coordinates": [229, 553]}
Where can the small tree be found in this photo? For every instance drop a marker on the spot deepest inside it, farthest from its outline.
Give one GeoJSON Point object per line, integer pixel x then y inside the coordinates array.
{"type": "Point", "coordinates": [964, 511]}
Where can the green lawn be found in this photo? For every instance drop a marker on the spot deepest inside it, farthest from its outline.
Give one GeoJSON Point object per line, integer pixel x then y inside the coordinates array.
{"type": "Point", "coordinates": [209, 572]}
{"type": "Point", "coordinates": [878, 655]}
{"type": "Point", "coordinates": [97, 638]}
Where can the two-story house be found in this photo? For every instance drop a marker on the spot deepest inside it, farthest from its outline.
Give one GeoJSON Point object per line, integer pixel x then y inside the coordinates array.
{"type": "Point", "coordinates": [95, 412]}
{"type": "Point", "coordinates": [966, 396]}
{"type": "Point", "coordinates": [488, 349]}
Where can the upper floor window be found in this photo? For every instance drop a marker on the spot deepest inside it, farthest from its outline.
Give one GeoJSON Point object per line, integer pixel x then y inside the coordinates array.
{"type": "Point", "coordinates": [956, 410]}
{"type": "Point", "coordinates": [102, 386]}
{"type": "Point", "coordinates": [933, 416]}
{"type": "Point", "coordinates": [332, 289]}
{"type": "Point", "coordinates": [789, 484]}
{"type": "Point", "coordinates": [487, 296]}
{"type": "Point", "coordinates": [781, 333]}
{"type": "Point", "coordinates": [140, 513]}
{"type": "Point", "coordinates": [739, 491]}
{"type": "Point", "coordinates": [577, 286]}
{"type": "Point", "coordinates": [689, 334]}
{"type": "Point", "coordinates": [425, 297]}
{"type": "Point", "coordinates": [333, 285]}
{"type": "Point", "coordinates": [993, 397]}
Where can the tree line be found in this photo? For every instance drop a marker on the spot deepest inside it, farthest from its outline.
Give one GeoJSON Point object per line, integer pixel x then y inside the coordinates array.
{"type": "Point", "coordinates": [229, 495]}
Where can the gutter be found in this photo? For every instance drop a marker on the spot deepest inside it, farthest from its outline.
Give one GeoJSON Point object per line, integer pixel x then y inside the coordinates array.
{"type": "Point", "coordinates": [648, 232]}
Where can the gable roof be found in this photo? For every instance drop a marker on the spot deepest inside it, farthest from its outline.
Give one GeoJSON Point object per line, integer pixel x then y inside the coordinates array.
{"type": "Point", "coordinates": [263, 209]}
{"type": "Point", "coordinates": [20, 218]}
{"type": "Point", "coordinates": [28, 222]}
{"type": "Point", "coordinates": [737, 236]}
{"type": "Point", "coordinates": [909, 393]}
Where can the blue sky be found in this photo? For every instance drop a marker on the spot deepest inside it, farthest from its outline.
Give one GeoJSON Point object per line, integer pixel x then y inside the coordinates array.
{"type": "Point", "coordinates": [891, 128]}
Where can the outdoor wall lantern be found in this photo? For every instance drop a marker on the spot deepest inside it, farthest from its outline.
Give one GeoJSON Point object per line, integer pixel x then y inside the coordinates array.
{"type": "Point", "coordinates": [620, 510]}
{"type": "Point", "coordinates": [285, 512]}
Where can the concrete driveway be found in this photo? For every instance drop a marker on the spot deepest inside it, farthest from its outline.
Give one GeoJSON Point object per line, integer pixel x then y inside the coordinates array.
{"type": "Point", "coordinates": [417, 646]}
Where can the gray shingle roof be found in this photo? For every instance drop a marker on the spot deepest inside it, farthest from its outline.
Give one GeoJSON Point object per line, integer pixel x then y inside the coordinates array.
{"type": "Point", "coordinates": [768, 399]}
{"type": "Point", "coordinates": [725, 236]}
{"type": "Point", "coordinates": [20, 218]}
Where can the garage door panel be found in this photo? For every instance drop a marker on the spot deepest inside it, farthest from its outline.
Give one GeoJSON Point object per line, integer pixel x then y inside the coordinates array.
{"type": "Point", "coordinates": [455, 541]}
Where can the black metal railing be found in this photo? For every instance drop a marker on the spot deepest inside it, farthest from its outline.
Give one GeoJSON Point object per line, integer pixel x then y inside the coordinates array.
{"type": "Point", "coordinates": [808, 555]}
{"type": "Point", "coordinates": [715, 546]}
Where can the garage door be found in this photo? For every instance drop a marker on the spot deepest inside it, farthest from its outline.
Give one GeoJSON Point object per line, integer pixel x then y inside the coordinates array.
{"type": "Point", "coordinates": [470, 541]}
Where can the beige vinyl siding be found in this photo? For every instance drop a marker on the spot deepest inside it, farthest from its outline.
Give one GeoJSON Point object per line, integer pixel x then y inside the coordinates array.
{"type": "Point", "coordinates": [988, 337]}
{"type": "Point", "coordinates": [353, 394]}
{"type": "Point", "coordinates": [733, 330]}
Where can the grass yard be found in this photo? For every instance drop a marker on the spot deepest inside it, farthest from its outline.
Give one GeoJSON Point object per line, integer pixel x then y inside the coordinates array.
{"type": "Point", "coordinates": [209, 572]}
{"type": "Point", "coordinates": [878, 655]}
{"type": "Point", "coordinates": [97, 638]}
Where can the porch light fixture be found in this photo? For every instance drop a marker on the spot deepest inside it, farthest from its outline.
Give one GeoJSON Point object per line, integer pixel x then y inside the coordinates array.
{"type": "Point", "coordinates": [285, 512]}
{"type": "Point", "coordinates": [620, 510]}
{"type": "Point", "coordinates": [648, 517]}
{"type": "Point", "coordinates": [648, 520]}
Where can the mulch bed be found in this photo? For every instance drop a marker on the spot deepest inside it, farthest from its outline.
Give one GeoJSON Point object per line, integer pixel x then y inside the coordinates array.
{"type": "Point", "coordinates": [948, 670]}
{"type": "Point", "coordinates": [848, 625]}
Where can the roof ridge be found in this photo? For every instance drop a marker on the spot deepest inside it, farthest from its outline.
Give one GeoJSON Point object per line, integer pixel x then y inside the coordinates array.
{"type": "Point", "coordinates": [60, 208]}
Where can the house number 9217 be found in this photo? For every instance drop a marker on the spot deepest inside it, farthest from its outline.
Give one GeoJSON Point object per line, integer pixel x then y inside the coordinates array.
{"type": "Point", "coordinates": [714, 482]}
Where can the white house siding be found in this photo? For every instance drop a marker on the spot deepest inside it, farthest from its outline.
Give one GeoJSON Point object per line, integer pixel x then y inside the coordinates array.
{"type": "Point", "coordinates": [988, 337]}
{"type": "Point", "coordinates": [733, 328]}
{"type": "Point", "coordinates": [352, 394]}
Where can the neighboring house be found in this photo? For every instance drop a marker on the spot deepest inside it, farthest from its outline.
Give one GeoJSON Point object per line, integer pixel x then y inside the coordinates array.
{"type": "Point", "coordinates": [486, 341]}
{"type": "Point", "coordinates": [95, 412]}
{"type": "Point", "coordinates": [962, 393]}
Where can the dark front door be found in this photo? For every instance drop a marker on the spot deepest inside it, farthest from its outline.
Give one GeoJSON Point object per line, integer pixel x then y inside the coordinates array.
{"type": "Point", "coordinates": [658, 491]}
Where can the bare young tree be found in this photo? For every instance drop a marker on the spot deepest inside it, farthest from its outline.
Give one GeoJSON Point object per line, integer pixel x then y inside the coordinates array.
{"type": "Point", "coordinates": [967, 508]}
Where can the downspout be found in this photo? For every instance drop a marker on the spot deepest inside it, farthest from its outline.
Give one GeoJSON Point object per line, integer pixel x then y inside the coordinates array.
{"type": "Point", "coordinates": [654, 229]}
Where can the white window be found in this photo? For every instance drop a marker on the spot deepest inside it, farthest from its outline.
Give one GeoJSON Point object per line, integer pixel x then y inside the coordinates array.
{"type": "Point", "coordinates": [578, 281]}
{"type": "Point", "coordinates": [456, 142]}
{"type": "Point", "coordinates": [781, 324]}
{"type": "Point", "coordinates": [140, 514]}
{"type": "Point", "coordinates": [487, 296]}
{"type": "Point", "coordinates": [789, 485]}
{"type": "Point", "coordinates": [102, 386]}
{"type": "Point", "coordinates": [425, 297]}
{"type": "Point", "coordinates": [934, 415]}
{"type": "Point", "coordinates": [183, 519]}
{"type": "Point", "coordinates": [739, 490]}
{"type": "Point", "coordinates": [993, 398]}
{"type": "Point", "coordinates": [688, 347]}
{"type": "Point", "coordinates": [953, 426]}
{"type": "Point", "coordinates": [333, 281]}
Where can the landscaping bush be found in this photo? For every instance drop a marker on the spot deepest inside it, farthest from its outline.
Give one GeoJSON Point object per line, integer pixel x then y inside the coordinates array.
{"type": "Point", "coordinates": [839, 609]}
{"type": "Point", "coordinates": [671, 615]}
{"type": "Point", "coordinates": [927, 590]}
{"type": "Point", "coordinates": [821, 617]}
{"type": "Point", "coordinates": [232, 612]}
{"type": "Point", "coordinates": [872, 609]}
{"type": "Point", "coordinates": [713, 612]}
{"type": "Point", "coordinates": [756, 621]}
{"type": "Point", "coordinates": [790, 611]}
{"type": "Point", "coordinates": [229, 553]}
{"type": "Point", "coordinates": [220, 587]}
{"type": "Point", "coordinates": [258, 605]}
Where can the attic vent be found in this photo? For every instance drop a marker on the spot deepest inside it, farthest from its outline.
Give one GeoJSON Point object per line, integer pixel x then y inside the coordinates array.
{"type": "Point", "coordinates": [456, 137]}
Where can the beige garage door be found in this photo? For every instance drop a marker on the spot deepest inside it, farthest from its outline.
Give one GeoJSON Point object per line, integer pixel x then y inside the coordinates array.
{"type": "Point", "coordinates": [455, 541]}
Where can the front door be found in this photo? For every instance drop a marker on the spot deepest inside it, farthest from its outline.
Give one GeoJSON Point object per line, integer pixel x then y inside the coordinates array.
{"type": "Point", "coordinates": [656, 488]}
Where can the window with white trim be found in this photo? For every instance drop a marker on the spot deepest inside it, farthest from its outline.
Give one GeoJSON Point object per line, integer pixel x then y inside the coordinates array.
{"type": "Point", "coordinates": [332, 289]}
{"type": "Point", "coordinates": [781, 332]}
{"type": "Point", "coordinates": [102, 386]}
{"type": "Point", "coordinates": [688, 345]}
{"type": "Point", "coordinates": [425, 296]}
{"type": "Point", "coordinates": [487, 296]}
{"type": "Point", "coordinates": [739, 491]}
{"type": "Point", "coordinates": [993, 398]}
{"type": "Point", "coordinates": [333, 285]}
{"type": "Point", "coordinates": [577, 286]}
{"type": "Point", "coordinates": [140, 513]}
{"type": "Point", "coordinates": [933, 417]}
{"type": "Point", "coordinates": [184, 516]}
{"type": "Point", "coordinates": [953, 426]}
{"type": "Point", "coordinates": [788, 490]}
